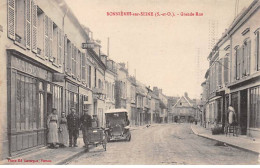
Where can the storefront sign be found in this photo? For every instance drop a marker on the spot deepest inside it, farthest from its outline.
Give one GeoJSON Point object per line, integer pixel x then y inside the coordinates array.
{"type": "Point", "coordinates": [72, 87]}
{"type": "Point", "coordinates": [30, 69]}
{"type": "Point", "coordinates": [58, 77]}
{"type": "Point", "coordinates": [87, 45]}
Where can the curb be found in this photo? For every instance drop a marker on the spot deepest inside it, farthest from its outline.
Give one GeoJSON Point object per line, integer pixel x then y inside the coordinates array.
{"type": "Point", "coordinates": [229, 144]}
{"type": "Point", "coordinates": [63, 162]}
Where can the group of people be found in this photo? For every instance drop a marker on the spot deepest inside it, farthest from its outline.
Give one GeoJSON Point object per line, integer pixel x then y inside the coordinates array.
{"type": "Point", "coordinates": [65, 129]}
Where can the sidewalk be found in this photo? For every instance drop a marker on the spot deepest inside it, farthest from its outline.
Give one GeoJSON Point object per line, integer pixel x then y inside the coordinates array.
{"type": "Point", "coordinates": [46, 156]}
{"type": "Point", "coordinates": [241, 142]}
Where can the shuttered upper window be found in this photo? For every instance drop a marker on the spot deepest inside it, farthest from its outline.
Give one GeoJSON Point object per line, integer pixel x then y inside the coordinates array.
{"type": "Point", "coordinates": [257, 51]}
{"type": "Point", "coordinates": [20, 22]}
{"type": "Point", "coordinates": [40, 32]}
{"type": "Point", "coordinates": [21, 13]}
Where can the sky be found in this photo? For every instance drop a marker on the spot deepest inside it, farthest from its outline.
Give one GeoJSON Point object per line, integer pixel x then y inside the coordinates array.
{"type": "Point", "coordinates": [167, 52]}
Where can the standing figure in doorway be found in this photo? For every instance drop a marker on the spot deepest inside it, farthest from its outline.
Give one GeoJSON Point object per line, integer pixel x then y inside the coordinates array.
{"type": "Point", "coordinates": [52, 125]}
{"type": "Point", "coordinates": [232, 117]}
{"type": "Point", "coordinates": [73, 127]}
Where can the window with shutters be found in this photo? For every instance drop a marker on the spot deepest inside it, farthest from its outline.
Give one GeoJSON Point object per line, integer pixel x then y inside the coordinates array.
{"type": "Point", "coordinates": [257, 51]}
{"type": "Point", "coordinates": [226, 69]}
{"type": "Point", "coordinates": [50, 39]}
{"type": "Point", "coordinates": [20, 22]}
{"type": "Point", "coordinates": [40, 32]}
{"type": "Point", "coordinates": [69, 57]}
{"type": "Point", "coordinates": [83, 67]}
{"type": "Point", "coordinates": [28, 23]}
{"type": "Point", "coordinates": [55, 41]}
{"type": "Point", "coordinates": [245, 58]}
{"type": "Point", "coordinates": [78, 64]}
{"type": "Point", "coordinates": [220, 72]}
{"type": "Point", "coordinates": [73, 61]}
{"type": "Point", "coordinates": [89, 76]}
{"type": "Point", "coordinates": [95, 73]}
{"type": "Point", "coordinates": [237, 63]}
{"type": "Point", "coordinates": [46, 38]}
{"type": "Point", "coordinates": [216, 76]}
{"type": "Point", "coordinates": [60, 47]}
{"type": "Point", "coordinates": [34, 27]}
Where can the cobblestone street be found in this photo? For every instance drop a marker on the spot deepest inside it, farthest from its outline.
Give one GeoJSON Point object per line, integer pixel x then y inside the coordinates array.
{"type": "Point", "coordinates": [165, 144]}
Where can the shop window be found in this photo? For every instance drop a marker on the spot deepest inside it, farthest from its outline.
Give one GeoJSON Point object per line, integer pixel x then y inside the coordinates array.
{"type": "Point", "coordinates": [255, 107]}
{"type": "Point", "coordinates": [26, 110]}
{"type": "Point", "coordinates": [57, 98]}
{"type": "Point", "coordinates": [72, 101]}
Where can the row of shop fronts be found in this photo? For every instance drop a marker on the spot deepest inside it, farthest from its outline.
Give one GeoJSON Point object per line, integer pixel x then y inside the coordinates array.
{"type": "Point", "coordinates": [233, 78]}
{"type": "Point", "coordinates": [32, 93]}
{"type": "Point", "coordinates": [245, 101]}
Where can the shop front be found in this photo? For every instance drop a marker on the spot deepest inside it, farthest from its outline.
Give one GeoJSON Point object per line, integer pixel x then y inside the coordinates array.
{"type": "Point", "coordinates": [31, 97]}
{"type": "Point", "coordinates": [245, 98]}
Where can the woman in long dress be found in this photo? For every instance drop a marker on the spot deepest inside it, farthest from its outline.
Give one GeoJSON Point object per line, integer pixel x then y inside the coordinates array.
{"type": "Point", "coordinates": [52, 124]}
{"type": "Point", "coordinates": [63, 131]}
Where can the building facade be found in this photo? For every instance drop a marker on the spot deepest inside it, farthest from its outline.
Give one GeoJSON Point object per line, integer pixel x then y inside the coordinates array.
{"type": "Point", "coordinates": [235, 80]}
{"type": "Point", "coordinates": [45, 67]}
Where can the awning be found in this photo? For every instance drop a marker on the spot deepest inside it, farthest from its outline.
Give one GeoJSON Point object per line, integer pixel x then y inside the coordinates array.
{"type": "Point", "coordinates": [214, 98]}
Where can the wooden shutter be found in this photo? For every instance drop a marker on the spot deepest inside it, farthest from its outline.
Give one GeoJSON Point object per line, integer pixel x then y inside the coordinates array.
{"type": "Point", "coordinates": [61, 45]}
{"type": "Point", "coordinates": [34, 27]}
{"type": "Point", "coordinates": [69, 58]}
{"type": "Point", "coordinates": [79, 64]}
{"type": "Point", "coordinates": [244, 59]}
{"type": "Point", "coordinates": [83, 67]}
{"type": "Point", "coordinates": [65, 53]}
{"type": "Point", "coordinates": [240, 62]}
{"type": "Point", "coordinates": [46, 39]}
{"type": "Point", "coordinates": [11, 19]}
{"type": "Point", "coordinates": [50, 35]}
{"type": "Point", "coordinates": [248, 57]}
{"type": "Point", "coordinates": [72, 59]}
{"type": "Point", "coordinates": [28, 24]}
{"type": "Point", "coordinates": [256, 52]}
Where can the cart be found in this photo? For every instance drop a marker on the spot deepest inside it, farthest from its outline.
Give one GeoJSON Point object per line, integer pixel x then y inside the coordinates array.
{"type": "Point", "coordinates": [96, 136]}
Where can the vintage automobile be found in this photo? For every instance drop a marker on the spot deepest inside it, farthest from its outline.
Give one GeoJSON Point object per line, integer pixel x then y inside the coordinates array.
{"type": "Point", "coordinates": [117, 125]}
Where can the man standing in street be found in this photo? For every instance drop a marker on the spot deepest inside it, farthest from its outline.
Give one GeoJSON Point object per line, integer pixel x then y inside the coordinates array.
{"type": "Point", "coordinates": [73, 127]}
{"type": "Point", "coordinates": [86, 123]}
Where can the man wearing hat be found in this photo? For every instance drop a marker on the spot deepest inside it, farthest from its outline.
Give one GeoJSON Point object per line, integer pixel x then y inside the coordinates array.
{"type": "Point", "coordinates": [85, 122]}
{"type": "Point", "coordinates": [73, 127]}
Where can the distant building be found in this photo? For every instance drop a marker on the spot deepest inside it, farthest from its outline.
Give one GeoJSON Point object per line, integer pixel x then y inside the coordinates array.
{"type": "Point", "coordinates": [184, 109]}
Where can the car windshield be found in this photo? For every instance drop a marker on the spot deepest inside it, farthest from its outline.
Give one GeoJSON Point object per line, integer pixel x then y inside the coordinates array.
{"type": "Point", "coordinates": [113, 119]}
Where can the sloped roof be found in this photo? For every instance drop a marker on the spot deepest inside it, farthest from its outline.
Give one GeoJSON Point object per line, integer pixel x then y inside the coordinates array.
{"type": "Point", "coordinates": [184, 99]}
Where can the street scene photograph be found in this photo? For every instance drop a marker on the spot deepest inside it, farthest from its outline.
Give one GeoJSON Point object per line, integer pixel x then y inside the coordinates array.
{"type": "Point", "coordinates": [130, 82]}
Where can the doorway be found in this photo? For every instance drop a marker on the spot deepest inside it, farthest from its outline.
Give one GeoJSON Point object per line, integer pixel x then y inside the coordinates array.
{"type": "Point", "coordinates": [243, 112]}
{"type": "Point", "coordinates": [49, 103]}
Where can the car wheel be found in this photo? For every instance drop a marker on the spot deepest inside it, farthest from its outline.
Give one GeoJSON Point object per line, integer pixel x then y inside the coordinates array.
{"type": "Point", "coordinates": [129, 138]}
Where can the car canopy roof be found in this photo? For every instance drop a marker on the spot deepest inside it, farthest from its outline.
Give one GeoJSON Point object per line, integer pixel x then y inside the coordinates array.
{"type": "Point", "coordinates": [116, 111]}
